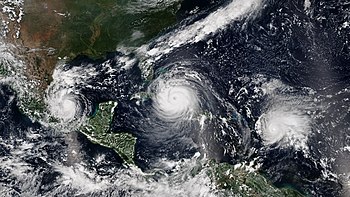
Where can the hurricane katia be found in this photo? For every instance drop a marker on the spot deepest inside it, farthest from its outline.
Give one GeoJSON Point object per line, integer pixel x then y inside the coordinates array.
{"type": "Point", "coordinates": [64, 100]}
{"type": "Point", "coordinates": [65, 105]}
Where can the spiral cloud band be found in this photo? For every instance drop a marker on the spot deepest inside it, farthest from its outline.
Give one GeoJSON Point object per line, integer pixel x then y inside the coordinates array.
{"type": "Point", "coordinates": [175, 99]}
{"type": "Point", "coordinates": [179, 95]}
{"type": "Point", "coordinates": [64, 100]}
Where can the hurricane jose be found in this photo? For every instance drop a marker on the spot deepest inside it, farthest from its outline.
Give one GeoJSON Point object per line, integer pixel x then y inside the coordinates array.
{"type": "Point", "coordinates": [284, 126]}
{"type": "Point", "coordinates": [285, 121]}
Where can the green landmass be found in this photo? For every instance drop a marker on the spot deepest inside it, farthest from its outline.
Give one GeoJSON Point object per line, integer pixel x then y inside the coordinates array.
{"type": "Point", "coordinates": [95, 27]}
{"type": "Point", "coordinates": [240, 182]}
{"type": "Point", "coordinates": [55, 30]}
{"type": "Point", "coordinates": [34, 107]}
{"type": "Point", "coordinates": [98, 131]}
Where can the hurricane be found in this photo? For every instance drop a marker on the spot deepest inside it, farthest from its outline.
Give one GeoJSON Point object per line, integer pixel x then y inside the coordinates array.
{"type": "Point", "coordinates": [178, 95]}
{"type": "Point", "coordinates": [175, 114]}
{"type": "Point", "coordinates": [175, 98]}
{"type": "Point", "coordinates": [65, 101]}
{"type": "Point", "coordinates": [287, 119]}
{"type": "Point", "coordinates": [281, 124]}
{"type": "Point", "coordinates": [67, 106]}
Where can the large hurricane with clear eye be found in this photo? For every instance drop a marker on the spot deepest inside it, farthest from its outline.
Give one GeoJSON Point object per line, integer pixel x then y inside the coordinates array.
{"type": "Point", "coordinates": [180, 94]}
{"type": "Point", "coordinates": [175, 99]}
{"type": "Point", "coordinates": [179, 114]}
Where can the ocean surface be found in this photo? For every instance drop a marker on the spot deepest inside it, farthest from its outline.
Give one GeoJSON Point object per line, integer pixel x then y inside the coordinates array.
{"type": "Point", "coordinates": [260, 82]}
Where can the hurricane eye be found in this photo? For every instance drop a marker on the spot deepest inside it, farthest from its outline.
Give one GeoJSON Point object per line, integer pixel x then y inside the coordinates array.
{"type": "Point", "coordinates": [174, 100]}
{"type": "Point", "coordinates": [64, 100]}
